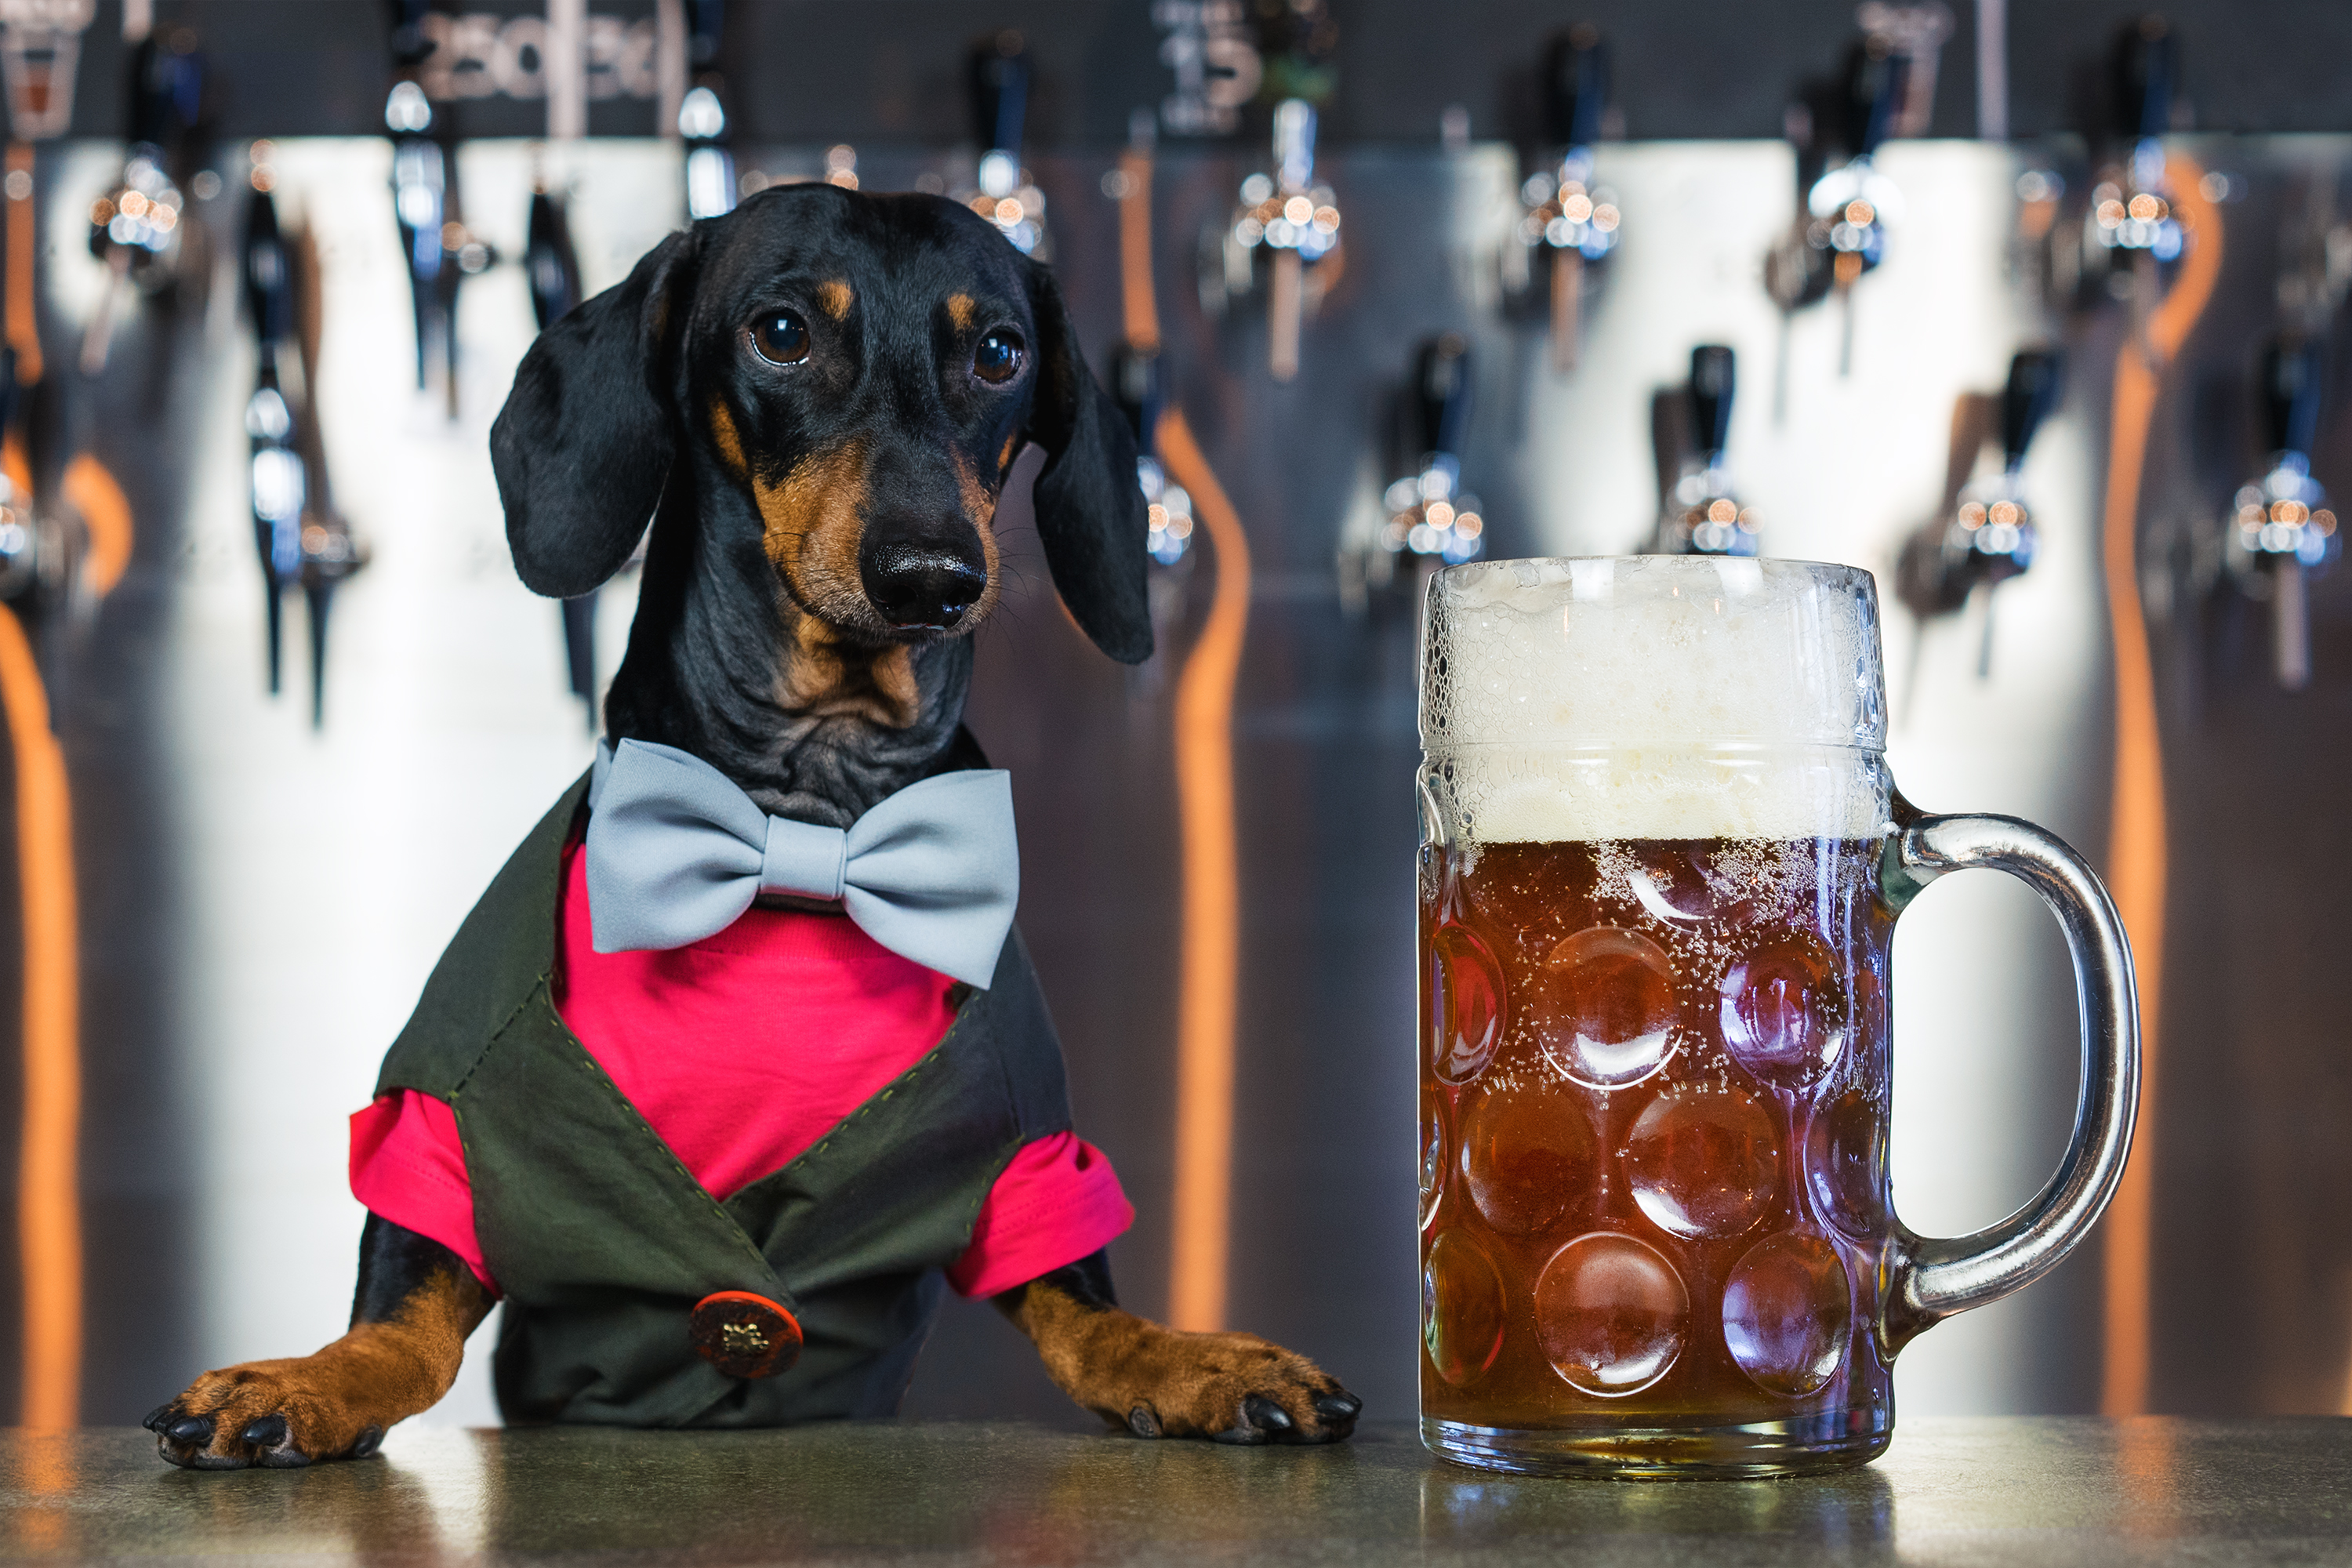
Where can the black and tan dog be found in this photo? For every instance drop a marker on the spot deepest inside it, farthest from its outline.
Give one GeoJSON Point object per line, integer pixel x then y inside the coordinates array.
{"type": "Point", "coordinates": [817, 399]}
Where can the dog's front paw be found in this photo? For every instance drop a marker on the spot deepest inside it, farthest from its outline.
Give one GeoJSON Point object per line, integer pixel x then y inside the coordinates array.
{"type": "Point", "coordinates": [274, 1414]}
{"type": "Point", "coordinates": [1230, 1388]}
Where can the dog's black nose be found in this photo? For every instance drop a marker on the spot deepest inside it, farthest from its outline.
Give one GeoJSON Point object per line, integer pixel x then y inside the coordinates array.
{"type": "Point", "coordinates": [922, 584]}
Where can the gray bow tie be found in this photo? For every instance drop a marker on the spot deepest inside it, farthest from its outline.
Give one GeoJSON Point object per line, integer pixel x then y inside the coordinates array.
{"type": "Point", "coordinates": [677, 853]}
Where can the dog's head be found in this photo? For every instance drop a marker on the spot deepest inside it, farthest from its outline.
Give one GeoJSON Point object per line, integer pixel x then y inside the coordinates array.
{"type": "Point", "coordinates": [862, 371]}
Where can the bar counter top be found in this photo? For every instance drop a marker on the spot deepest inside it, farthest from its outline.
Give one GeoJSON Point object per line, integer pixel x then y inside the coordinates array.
{"type": "Point", "coordinates": [2009, 1491]}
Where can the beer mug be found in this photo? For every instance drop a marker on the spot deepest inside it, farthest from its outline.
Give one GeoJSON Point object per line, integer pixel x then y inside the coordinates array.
{"type": "Point", "coordinates": [1661, 863]}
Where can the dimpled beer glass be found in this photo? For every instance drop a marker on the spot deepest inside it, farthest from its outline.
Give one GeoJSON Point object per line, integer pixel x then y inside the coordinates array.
{"type": "Point", "coordinates": [1661, 863]}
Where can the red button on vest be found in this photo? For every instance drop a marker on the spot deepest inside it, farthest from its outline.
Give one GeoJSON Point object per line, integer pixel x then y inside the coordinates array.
{"type": "Point", "coordinates": [744, 1335]}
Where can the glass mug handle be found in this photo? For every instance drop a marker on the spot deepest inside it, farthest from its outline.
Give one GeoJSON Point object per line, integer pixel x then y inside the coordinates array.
{"type": "Point", "coordinates": [1936, 1276]}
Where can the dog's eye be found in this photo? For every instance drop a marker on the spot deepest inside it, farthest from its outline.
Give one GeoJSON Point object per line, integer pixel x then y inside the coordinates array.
{"type": "Point", "coordinates": [998, 358]}
{"type": "Point", "coordinates": [781, 339]}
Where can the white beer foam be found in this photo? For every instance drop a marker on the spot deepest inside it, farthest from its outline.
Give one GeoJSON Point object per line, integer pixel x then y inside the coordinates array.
{"type": "Point", "coordinates": [1627, 699]}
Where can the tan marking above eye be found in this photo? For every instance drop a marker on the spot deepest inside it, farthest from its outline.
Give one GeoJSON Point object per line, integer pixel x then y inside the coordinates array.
{"type": "Point", "coordinates": [961, 311]}
{"type": "Point", "coordinates": [834, 297]}
{"type": "Point", "coordinates": [723, 437]}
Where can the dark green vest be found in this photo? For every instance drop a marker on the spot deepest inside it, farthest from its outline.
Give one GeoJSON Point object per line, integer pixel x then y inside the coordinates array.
{"type": "Point", "coordinates": [602, 1241]}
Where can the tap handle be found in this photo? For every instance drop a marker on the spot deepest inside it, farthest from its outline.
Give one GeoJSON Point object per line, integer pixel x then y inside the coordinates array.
{"type": "Point", "coordinates": [2034, 385]}
{"type": "Point", "coordinates": [1877, 76]}
{"type": "Point", "coordinates": [1294, 145]}
{"type": "Point", "coordinates": [2147, 68]}
{"type": "Point", "coordinates": [1139, 387]}
{"type": "Point", "coordinates": [167, 86]}
{"type": "Point", "coordinates": [1711, 380]}
{"type": "Point", "coordinates": [1575, 87]}
{"type": "Point", "coordinates": [1000, 92]}
{"type": "Point", "coordinates": [550, 262]}
{"type": "Point", "coordinates": [1440, 386]}
{"type": "Point", "coordinates": [268, 272]}
{"type": "Point", "coordinates": [410, 47]}
{"type": "Point", "coordinates": [2290, 389]}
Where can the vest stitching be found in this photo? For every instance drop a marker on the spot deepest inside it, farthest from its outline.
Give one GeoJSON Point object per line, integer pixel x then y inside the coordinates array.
{"type": "Point", "coordinates": [636, 1116]}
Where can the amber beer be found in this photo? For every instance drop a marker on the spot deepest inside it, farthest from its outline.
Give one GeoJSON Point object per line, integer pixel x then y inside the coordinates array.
{"type": "Point", "coordinates": [1654, 1089]}
{"type": "Point", "coordinates": [1661, 866]}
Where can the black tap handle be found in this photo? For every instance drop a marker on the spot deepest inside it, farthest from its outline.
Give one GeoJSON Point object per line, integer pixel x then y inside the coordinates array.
{"type": "Point", "coordinates": [706, 22]}
{"type": "Point", "coordinates": [1876, 77]}
{"type": "Point", "coordinates": [1441, 386]}
{"type": "Point", "coordinates": [550, 262]}
{"type": "Point", "coordinates": [2147, 75]}
{"type": "Point", "coordinates": [1000, 92]}
{"type": "Point", "coordinates": [410, 47]}
{"type": "Point", "coordinates": [1575, 87]}
{"type": "Point", "coordinates": [2034, 385]}
{"type": "Point", "coordinates": [1138, 388]}
{"type": "Point", "coordinates": [167, 86]}
{"type": "Point", "coordinates": [2290, 389]}
{"type": "Point", "coordinates": [1712, 374]}
{"type": "Point", "coordinates": [269, 271]}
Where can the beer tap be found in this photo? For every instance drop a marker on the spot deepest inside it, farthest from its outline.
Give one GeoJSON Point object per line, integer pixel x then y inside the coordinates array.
{"type": "Point", "coordinates": [1287, 227]}
{"type": "Point", "coordinates": [1430, 515]}
{"type": "Point", "coordinates": [441, 251]}
{"type": "Point", "coordinates": [134, 227]}
{"type": "Point", "coordinates": [702, 120]}
{"type": "Point", "coordinates": [1698, 514]}
{"type": "Point", "coordinates": [1845, 207]}
{"type": "Point", "coordinates": [1139, 386]}
{"type": "Point", "coordinates": [2130, 226]}
{"type": "Point", "coordinates": [999, 75]}
{"type": "Point", "coordinates": [1570, 224]}
{"type": "Point", "coordinates": [2280, 533]}
{"type": "Point", "coordinates": [276, 466]}
{"type": "Point", "coordinates": [301, 537]}
{"type": "Point", "coordinates": [1983, 535]}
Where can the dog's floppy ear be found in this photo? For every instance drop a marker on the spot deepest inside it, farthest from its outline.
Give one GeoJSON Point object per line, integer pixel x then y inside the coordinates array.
{"type": "Point", "coordinates": [1089, 506]}
{"type": "Point", "coordinates": [587, 435]}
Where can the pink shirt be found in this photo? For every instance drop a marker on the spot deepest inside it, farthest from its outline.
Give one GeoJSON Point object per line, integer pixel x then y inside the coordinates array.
{"type": "Point", "coordinates": [741, 1051]}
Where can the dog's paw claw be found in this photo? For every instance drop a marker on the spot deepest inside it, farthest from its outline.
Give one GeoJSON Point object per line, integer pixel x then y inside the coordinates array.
{"type": "Point", "coordinates": [1141, 1422]}
{"type": "Point", "coordinates": [1265, 1414]}
{"type": "Point", "coordinates": [269, 1432]}
{"type": "Point", "coordinates": [189, 1429]}
{"type": "Point", "coordinates": [369, 1439]}
{"type": "Point", "coordinates": [1339, 1406]}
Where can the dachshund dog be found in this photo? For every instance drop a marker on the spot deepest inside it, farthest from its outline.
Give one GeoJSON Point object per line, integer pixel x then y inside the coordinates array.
{"type": "Point", "coordinates": [816, 399]}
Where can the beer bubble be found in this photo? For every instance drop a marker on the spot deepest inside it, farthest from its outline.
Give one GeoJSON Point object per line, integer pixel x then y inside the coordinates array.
{"type": "Point", "coordinates": [1527, 1155]}
{"type": "Point", "coordinates": [1466, 1002]}
{"type": "Point", "coordinates": [1605, 1007]}
{"type": "Point", "coordinates": [1784, 1010]}
{"type": "Point", "coordinates": [1702, 1160]}
{"type": "Point", "coordinates": [1461, 1308]}
{"type": "Point", "coordinates": [1845, 1164]}
{"type": "Point", "coordinates": [1611, 1314]}
{"type": "Point", "coordinates": [1433, 1157]}
{"type": "Point", "coordinates": [1788, 1313]}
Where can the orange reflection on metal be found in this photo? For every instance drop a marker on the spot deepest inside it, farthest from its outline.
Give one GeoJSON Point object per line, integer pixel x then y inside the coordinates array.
{"type": "Point", "coordinates": [1142, 310]}
{"type": "Point", "coordinates": [90, 490]}
{"type": "Point", "coordinates": [22, 330]}
{"type": "Point", "coordinates": [48, 1200]}
{"type": "Point", "coordinates": [1210, 969]}
{"type": "Point", "coordinates": [2136, 849]}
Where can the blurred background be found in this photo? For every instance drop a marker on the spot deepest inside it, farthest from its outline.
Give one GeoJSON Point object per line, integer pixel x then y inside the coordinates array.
{"type": "Point", "coordinates": [2032, 313]}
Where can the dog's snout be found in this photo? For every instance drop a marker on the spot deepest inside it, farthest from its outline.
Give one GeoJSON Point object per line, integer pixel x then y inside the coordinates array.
{"type": "Point", "coordinates": [923, 582]}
